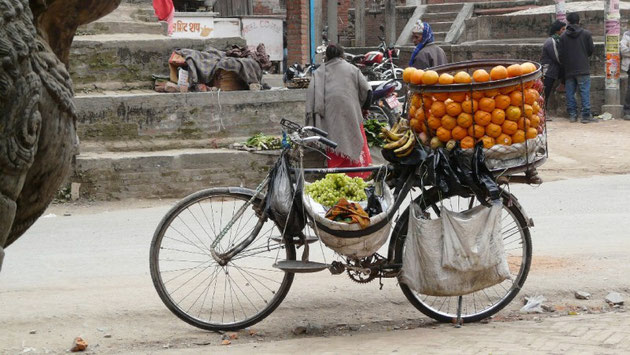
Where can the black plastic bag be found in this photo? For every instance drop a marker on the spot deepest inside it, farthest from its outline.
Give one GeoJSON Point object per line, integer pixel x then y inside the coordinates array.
{"type": "Point", "coordinates": [284, 203]}
{"type": "Point", "coordinates": [482, 176]}
{"type": "Point", "coordinates": [374, 204]}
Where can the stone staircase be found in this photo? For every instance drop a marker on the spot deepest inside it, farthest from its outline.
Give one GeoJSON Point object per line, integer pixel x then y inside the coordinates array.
{"type": "Point", "coordinates": [441, 18]}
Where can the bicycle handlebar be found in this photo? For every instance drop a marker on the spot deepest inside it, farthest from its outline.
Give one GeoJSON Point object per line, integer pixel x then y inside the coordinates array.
{"type": "Point", "coordinates": [328, 142]}
{"type": "Point", "coordinates": [321, 132]}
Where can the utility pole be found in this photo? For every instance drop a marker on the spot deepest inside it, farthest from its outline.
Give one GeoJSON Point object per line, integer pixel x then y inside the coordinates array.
{"type": "Point", "coordinates": [359, 23]}
{"type": "Point", "coordinates": [331, 16]}
{"type": "Point", "coordinates": [561, 12]}
{"type": "Point", "coordinates": [613, 59]}
{"type": "Point", "coordinates": [390, 22]}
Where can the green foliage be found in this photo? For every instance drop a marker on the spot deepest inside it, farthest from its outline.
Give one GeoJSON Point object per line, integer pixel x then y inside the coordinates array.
{"type": "Point", "coordinates": [372, 129]}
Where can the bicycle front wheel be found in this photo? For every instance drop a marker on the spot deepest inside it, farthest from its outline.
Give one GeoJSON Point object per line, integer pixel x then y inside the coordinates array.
{"type": "Point", "coordinates": [486, 302]}
{"type": "Point", "coordinates": [214, 295]}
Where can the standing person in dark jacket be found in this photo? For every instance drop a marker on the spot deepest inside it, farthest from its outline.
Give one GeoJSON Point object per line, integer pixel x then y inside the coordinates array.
{"type": "Point", "coordinates": [427, 54]}
{"type": "Point", "coordinates": [576, 46]}
{"type": "Point", "coordinates": [550, 60]}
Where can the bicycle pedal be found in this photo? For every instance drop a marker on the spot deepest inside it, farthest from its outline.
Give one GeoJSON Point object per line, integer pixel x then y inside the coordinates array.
{"type": "Point", "coordinates": [298, 266]}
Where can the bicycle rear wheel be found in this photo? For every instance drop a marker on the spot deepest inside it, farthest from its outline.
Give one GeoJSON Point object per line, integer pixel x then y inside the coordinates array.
{"type": "Point", "coordinates": [216, 295]}
{"type": "Point", "coordinates": [486, 302]}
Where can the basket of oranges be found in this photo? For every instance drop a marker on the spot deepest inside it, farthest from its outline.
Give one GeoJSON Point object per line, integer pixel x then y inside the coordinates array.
{"type": "Point", "coordinates": [497, 102]}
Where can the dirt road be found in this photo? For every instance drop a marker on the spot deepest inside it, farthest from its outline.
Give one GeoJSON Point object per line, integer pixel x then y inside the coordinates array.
{"type": "Point", "coordinates": [82, 270]}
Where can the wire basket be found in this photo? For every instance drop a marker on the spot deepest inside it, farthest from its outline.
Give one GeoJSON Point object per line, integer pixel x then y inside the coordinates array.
{"type": "Point", "coordinates": [508, 115]}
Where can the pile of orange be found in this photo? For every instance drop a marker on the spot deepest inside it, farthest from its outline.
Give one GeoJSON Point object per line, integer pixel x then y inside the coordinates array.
{"type": "Point", "coordinates": [502, 116]}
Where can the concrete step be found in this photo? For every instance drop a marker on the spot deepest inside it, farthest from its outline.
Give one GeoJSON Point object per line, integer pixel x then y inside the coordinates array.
{"type": "Point", "coordinates": [127, 61]}
{"type": "Point", "coordinates": [217, 117]}
{"type": "Point", "coordinates": [441, 26]}
{"type": "Point", "coordinates": [439, 36]}
{"type": "Point", "coordinates": [434, 8]}
{"type": "Point", "coordinates": [439, 17]}
{"type": "Point", "coordinates": [115, 27]}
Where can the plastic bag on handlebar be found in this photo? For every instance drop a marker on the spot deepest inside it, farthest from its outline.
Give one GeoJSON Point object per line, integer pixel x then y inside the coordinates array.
{"type": "Point", "coordinates": [482, 176]}
{"type": "Point", "coordinates": [283, 202]}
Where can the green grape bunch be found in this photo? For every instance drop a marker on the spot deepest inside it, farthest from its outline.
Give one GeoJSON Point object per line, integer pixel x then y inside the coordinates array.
{"type": "Point", "coordinates": [329, 190]}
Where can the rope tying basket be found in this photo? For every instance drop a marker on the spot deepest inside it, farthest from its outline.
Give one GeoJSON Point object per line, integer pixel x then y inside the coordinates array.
{"type": "Point", "coordinates": [349, 239]}
{"type": "Point", "coordinates": [462, 103]}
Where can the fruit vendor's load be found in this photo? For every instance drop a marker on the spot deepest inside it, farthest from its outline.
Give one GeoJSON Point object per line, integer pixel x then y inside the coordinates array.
{"type": "Point", "coordinates": [501, 106]}
{"type": "Point", "coordinates": [332, 188]}
{"type": "Point", "coordinates": [400, 139]}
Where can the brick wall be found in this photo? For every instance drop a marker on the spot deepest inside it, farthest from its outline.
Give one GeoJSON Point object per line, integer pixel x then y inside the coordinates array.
{"type": "Point", "coordinates": [298, 31]}
{"type": "Point", "coordinates": [268, 7]}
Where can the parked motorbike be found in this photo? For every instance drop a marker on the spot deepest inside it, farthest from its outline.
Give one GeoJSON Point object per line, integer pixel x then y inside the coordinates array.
{"type": "Point", "coordinates": [385, 106]}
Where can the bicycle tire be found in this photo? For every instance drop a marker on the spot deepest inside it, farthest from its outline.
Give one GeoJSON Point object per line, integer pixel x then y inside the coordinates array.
{"type": "Point", "coordinates": [421, 302]}
{"type": "Point", "coordinates": [159, 268]}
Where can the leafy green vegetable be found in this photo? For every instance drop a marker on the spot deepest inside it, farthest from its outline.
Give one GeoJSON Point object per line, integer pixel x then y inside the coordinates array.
{"type": "Point", "coordinates": [372, 129]}
{"type": "Point", "coordinates": [264, 142]}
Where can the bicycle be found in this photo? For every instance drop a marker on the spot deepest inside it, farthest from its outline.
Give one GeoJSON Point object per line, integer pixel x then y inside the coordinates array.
{"type": "Point", "coordinates": [217, 272]}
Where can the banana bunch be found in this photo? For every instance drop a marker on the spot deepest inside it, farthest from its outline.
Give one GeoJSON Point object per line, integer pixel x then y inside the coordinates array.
{"type": "Point", "coordinates": [400, 138]}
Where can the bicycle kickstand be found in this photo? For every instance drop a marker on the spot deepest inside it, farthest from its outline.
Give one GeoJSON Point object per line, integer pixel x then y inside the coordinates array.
{"type": "Point", "coordinates": [460, 321]}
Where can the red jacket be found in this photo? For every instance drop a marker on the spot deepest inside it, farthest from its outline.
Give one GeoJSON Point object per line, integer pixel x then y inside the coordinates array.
{"type": "Point", "coordinates": [163, 8]}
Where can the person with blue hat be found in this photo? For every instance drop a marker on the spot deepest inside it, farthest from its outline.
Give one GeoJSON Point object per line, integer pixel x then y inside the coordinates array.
{"type": "Point", "coordinates": [427, 54]}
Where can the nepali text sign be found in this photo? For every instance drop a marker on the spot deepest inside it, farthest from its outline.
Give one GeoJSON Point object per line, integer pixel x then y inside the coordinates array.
{"type": "Point", "coordinates": [186, 26]}
{"type": "Point", "coordinates": [267, 31]}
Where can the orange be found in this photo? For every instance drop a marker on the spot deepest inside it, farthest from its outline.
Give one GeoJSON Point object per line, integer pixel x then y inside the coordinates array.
{"type": "Point", "coordinates": [531, 96]}
{"type": "Point", "coordinates": [434, 122]}
{"type": "Point", "coordinates": [416, 76]}
{"type": "Point", "coordinates": [427, 102]}
{"type": "Point", "coordinates": [514, 70]}
{"type": "Point", "coordinates": [481, 76]}
{"type": "Point", "coordinates": [535, 121]}
{"type": "Point", "coordinates": [504, 139]}
{"type": "Point", "coordinates": [412, 112]}
{"type": "Point", "coordinates": [478, 95]}
{"type": "Point", "coordinates": [508, 90]}
{"type": "Point", "coordinates": [464, 120]}
{"type": "Point", "coordinates": [518, 137]}
{"type": "Point", "coordinates": [491, 93]}
{"type": "Point", "coordinates": [416, 100]}
{"type": "Point", "coordinates": [470, 106]}
{"type": "Point", "coordinates": [513, 113]}
{"type": "Point", "coordinates": [416, 125]}
{"type": "Point", "coordinates": [502, 101]}
{"type": "Point", "coordinates": [527, 68]}
{"type": "Point", "coordinates": [483, 118]}
{"type": "Point", "coordinates": [509, 127]}
{"type": "Point", "coordinates": [476, 131]}
{"type": "Point", "coordinates": [462, 78]}
{"type": "Point", "coordinates": [445, 79]}
{"type": "Point", "coordinates": [531, 133]}
{"type": "Point", "coordinates": [498, 116]}
{"type": "Point", "coordinates": [438, 109]}
{"type": "Point", "coordinates": [441, 96]}
{"type": "Point", "coordinates": [497, 73]}
{"type": "Point", "coordinates": [453, 109]}
{"type": "Point", "coordinates": [528, 84]}
{"type": "Point", "coordinates": [529, 111]}
{"type": "Point", "coordinates": [536, 107]}
{"type": "Point", "coordinates": [458, 133]}
{"type": "Point", "coordinates": [448, 122]}
{"type": "Point", "coordinates": [488, 142]}
{"type": "Point", "coordinates": [430, 77]}
{"type": "Point", "coordinates": [493, 130]}
{"type": "Point", "coordinates": [457, 96]}
{"type": "Point", "coordinates": [516, 98]}
{"type": "Point", "coordinates": [486, 104]}
{"type": "Point", "coordinates": [443, 134]}
{"type": "Point", "coordinates": [407, 74]}
{"type": "Point", "coordinates": [467, 142]}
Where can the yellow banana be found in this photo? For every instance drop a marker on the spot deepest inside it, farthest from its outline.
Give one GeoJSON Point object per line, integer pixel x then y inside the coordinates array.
{"type": "Point", "coordinates": [399, 143]}
{"type": "Point", "coordinates": [392, 137]}
{"type": "Point", "coordinates": [410, 142]}
{"type": "Point", "coordinates": [395, 128]}
{"type": "Point", "coordinates": [405, 153]}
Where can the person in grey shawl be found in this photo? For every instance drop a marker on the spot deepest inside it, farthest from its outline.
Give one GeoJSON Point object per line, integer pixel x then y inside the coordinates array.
{"type": "Point", "coordinates": [334, 101]}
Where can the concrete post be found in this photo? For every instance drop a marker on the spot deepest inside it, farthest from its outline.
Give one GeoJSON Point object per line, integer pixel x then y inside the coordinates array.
{"type": "Point", "coordinates": [390, 22]}
{"type": "Point", "coordinates": [561, 12]}
{"type": "Point", "coordinates": [331, 17]}
{"type": "Point", "coordinates": [613, 59]}
{"type": "Point", "coordinates": [359, 23]}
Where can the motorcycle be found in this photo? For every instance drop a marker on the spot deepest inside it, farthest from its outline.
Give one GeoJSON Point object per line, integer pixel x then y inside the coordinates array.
{"type": "Point", "coordinates": [299, 76]}
{"type": "Point", "coordinates": [379, 64]}
{"type": "Point", "coordinates": [385, 106]}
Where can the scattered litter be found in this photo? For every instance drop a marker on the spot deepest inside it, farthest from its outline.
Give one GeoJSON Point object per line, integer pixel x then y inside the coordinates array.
{"type": "Point", "coordinates": [615, 299]}
{"type": "Point", "coordinates": [50, 215]}
{"type": "Point", "coordinates": [79, 345]}
{"type": "Point", "coordinates": [33, 331]}
{"type": "Point", "coordinates": [606, 116]}
{"type": "Point", "coordinates": [572, 313]}
{"type": "Point", "coordinates": [233, 336]}
{"type": "Point", "coordinates": [252, 332]}
{"type": "Point", "coordinates": [67, 214]}
{"type": "Point", "coordinates": [203, 343]}
{"type": "Point", "coordinates": [168, 345]}
{"type": "Point", "coordinates": [547, 308]}
{"type": "Point", "coordinates": [226, 342]}
{"type": "Point", "coordinates": [300, 329]}
{"type": "Point", "coordinates": [534, 304]}
{"type": "Point", "coordinates": [107, 336]}
{"type": "Point", "coordinates": [581, 295]}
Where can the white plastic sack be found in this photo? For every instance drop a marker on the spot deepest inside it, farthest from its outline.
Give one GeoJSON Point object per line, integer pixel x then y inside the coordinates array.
{"type": "Point", "coordinates": [352, 247]}
{"type": "Point", "coordinates": [456, 254]}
